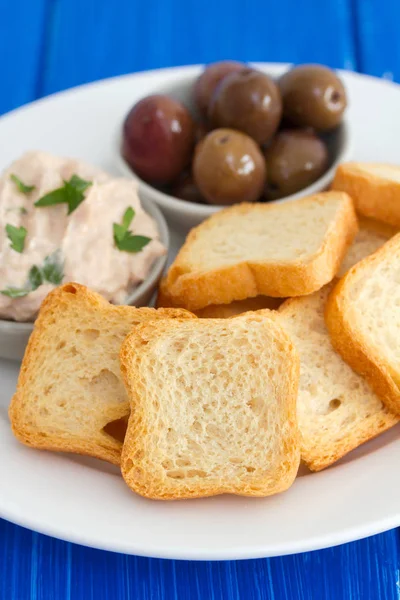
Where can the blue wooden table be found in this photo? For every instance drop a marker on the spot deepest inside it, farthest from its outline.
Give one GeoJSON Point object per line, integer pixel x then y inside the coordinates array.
{"type": "Point", "coordinates": [49, 45]}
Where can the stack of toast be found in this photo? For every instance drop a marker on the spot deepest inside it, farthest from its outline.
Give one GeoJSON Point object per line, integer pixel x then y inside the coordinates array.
{"type": "Point", "coordinates": [274, 341]}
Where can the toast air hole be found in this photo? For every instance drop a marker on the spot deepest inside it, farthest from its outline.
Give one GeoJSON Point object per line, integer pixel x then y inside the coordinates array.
{"type": "Point", "coordinates": [176, 474]}
{"type": "Point", "coordinates": [117, 429]}
{"type": "Point", "coordinates": [334, 404]}
{"type": "Point", "coordinates": [91, 335]}
{"type": "Point", "coordinates": [70, 289]}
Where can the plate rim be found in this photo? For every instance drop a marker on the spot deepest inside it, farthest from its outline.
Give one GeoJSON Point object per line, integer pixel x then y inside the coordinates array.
{"type": "Point", "coordinates": [316, 542]}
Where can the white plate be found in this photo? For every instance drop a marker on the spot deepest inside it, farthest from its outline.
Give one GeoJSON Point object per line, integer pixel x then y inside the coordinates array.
{"type": "Point", "coordinates": [86, 501]}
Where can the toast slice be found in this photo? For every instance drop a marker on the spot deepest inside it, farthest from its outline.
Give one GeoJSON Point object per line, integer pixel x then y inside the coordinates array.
{"type": "Point", "coordinates": [374, 187]}
{"type": "Point", "coordinates": [222, 311]}
{"type": "Point", "coordinates": [336, 409]}
{"type": "Point", "coordinates": [280, 250]}
{"type": "Point", "coordinates": [363, 319]}
{"type": "Point", "coordinates": [213, 408]}
{"type": "Point", "coordinates": [371, 236]}
{"type": "Point", "coordinates": [70, 395]}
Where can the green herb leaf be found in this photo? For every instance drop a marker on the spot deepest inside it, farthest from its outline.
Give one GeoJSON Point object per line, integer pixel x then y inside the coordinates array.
{"type": "Point", "coordinates": [13, 292]}
{"type": "Point", "coordinates": [17, 236]}
{"type": "Point", "coordinates": [128, 218]}
{"type": "Point", "coordinates": [133, 243]}
{"type": "Point", "coordinates": [119, 233]}
{"type": "Point", "coordinates": [53, 268]}
{"type": "Point", "coordinates": [121, 230]}
{"type": "Point", "coordinates": [35, 278]}
{"type": "Point", "coordinates": [123, 238]}
{"type": "Point", "coordinates": [25, 189]}
{"type": "Point", "coordinates": [57, 196]}
{"type": "Point", "coordinates": [19, 209]}
{"type": "Point", "coordinates": [71, 193]}
{"type": "Point", "coordinates": [50, 272]}
{"type": "Point", "coordinates": [78, 184]}
{"type": "Point", "coordinates": [76, 187]}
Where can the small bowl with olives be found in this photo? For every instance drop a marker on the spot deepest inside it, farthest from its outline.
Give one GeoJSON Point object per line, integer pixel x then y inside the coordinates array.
{"type": "Point", "coordinates": [231, 133]}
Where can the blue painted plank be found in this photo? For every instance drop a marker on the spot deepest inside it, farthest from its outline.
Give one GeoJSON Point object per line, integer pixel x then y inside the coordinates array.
{"type": "Point", "coordinates": [49, 45]}
{"type": "Point", "coordinates": [90, 40]}
{"type": "Point", "coordinates": [35, 566]}
{"type": "Point", "coordinates": [378, 38]}
{"type": "Point", "coordinates": [21, 49]}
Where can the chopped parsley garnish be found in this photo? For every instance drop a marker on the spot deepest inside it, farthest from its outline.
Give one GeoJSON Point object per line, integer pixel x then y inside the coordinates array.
{"type": "Point", "coordinates": [35, 278]}
{"type": "Point", "coordinates": [53, 268]}
{"type": "Point", "coordinates": [71, 193]}
{"type": "Point", "coordinates": [25, 189]}
{"type": "Point", "coordinates": [19, 209]}
{"type": "Point", "coordinates": [17, 236]}
{"type": "Point", "coordinates": [50, 272]}
{"type": "Point", "coordinates": [124, 239]}
{"type": "Point", "coordinates": [13, 292]}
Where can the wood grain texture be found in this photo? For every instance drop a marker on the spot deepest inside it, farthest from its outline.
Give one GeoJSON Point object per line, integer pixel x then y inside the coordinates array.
{"type": "Point", "coordinates": [48, 45]}
{"type": "Point", "coordinates": [41, 568]}
{"type": "Point", "coordinates": [378, 37]}
{"type": "Point", "coordinates": [113, 38]}
{"type": "Point", "coordinates": [22, 50]}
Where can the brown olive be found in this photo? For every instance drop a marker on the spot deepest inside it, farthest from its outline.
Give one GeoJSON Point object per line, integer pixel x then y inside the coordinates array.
{"type": "Point", "coordinates": [158, 138]}
{"type": "Point", "coordinates": [248, 101]}
{"type": "Point", "coordinates": [208, 81]}
{"type": "Point", "coordinates": [229, 167]}
{"type": "Point", "coordinates": [295, 159]}
{"type": "Point", "coordinates": [186, 189]}
{"type": "Point", "coordinates": [201, 131]}
{"type": "Point", "coordinates": [313, 96]}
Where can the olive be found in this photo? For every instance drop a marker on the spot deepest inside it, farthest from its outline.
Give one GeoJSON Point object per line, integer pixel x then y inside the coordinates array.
{"type": "Point", "coordinates": [248, 101]}
{"type": "Point", "coordinates": [208, 81]}
{"type": "Point", "coordinates": [200, 131]}
{"type": "Point", "coordinates": [295, 159]}
{"type": "Point", "coordinates": [313, 96]}
{"type": "Point", "coordinates": [158, 138]}
{"type": "Point", "coordinates": [228, 167]}
{"type": "Point", "coordinates": [186, 189]}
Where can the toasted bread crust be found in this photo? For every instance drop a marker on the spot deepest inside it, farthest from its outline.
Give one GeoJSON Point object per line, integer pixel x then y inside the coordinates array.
{"type": "Point", "coordinates": [164, 300]}
{"type": "Point", "coordinates": [195, 290]}
{"type": "Point", "coordinates": [362, 356]}
{"type": "Point", "coordinates": [133, 467]}
{"type": "Point", "coordinates": [221, 311]}
{"type": "Point", "coordinates": [374, 197]}
{"type": "Point", "coordinates": [101, 445]}
{"type": "Point", "coordinates": [368, 430]}
{"type": "Point", "coordinates": [316, 453]}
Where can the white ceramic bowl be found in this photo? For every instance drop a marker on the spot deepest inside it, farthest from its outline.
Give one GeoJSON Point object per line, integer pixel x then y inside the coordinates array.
{"type": "Point", "coordinates": [184, 215]}
{"type": "Point", "coordinates": [14, 336]}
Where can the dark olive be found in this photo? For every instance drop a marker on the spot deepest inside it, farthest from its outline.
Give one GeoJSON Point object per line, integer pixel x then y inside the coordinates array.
{"type": "Point", "coordinates": [208, 81]}
{"type": "Point", "coordinates": [158, 138]}
{"type": "Point", "coordinates": [313, 96]}
{"type": "Point", "coordinates": [248, 101]}
{"type": "Point", "coordinates": [201, 131]}
{"type": "Point", "coordinates": [186, 189]}
{"type": "Point", "coordinates": [295, 159]}
{"type": "Point", "coordinates": [229, 167]}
